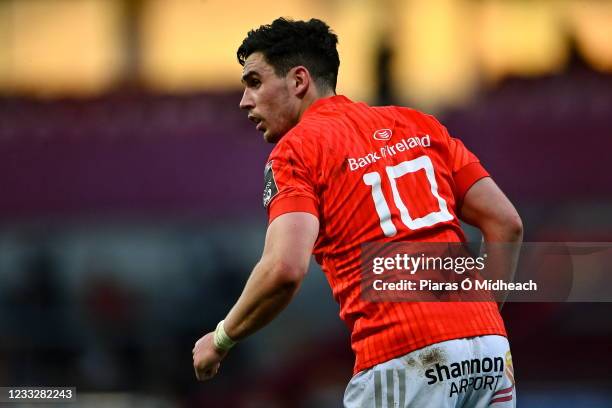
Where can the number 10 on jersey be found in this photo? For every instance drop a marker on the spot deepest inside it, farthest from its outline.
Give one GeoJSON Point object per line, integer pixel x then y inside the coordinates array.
{"type": "Point", "coordinates": [373, 180]}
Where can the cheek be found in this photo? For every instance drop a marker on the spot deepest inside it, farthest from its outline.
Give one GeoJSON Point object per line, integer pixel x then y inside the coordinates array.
{"type": "Point", "coordinates": [274, 104]}
{"type": "Point", "coordinates": [281, 107]}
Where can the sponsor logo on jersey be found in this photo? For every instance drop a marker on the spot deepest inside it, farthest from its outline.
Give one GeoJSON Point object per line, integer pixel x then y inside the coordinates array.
{"type": "Point", "coordinates": [383, 134]}
{"type": "Point", "coordinates": [403, 145]}
{"type": "Point", "coordinates": [270, 188]}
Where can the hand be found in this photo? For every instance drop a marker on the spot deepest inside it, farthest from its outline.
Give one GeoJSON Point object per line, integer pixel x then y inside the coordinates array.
{"type": "Point", "coordinates": [207, 357]}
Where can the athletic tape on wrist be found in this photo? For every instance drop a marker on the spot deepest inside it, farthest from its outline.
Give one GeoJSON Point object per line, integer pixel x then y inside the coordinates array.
{"type": "Point", "coordinates": [222, 340]}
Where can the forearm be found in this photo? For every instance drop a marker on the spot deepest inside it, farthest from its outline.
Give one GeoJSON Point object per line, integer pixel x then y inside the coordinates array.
{"type": "Point", "coordinates": [502, 251]}
{"type": "Point", "coordinates": [502, 246]}
{"type": "Point", "coordinates": [267, 292]}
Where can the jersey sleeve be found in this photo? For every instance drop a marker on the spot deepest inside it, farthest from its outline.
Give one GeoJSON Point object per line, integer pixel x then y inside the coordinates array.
{"type": "Point", "coordinates": [465, 166]}
{"type": "Point", "coordinates": [289, 184]}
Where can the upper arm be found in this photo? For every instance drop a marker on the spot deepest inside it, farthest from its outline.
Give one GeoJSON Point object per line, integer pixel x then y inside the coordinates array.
{"type": "Point", "coordinates": [486, 207]}
{"type": "Point", "coordinates": [289, 242]}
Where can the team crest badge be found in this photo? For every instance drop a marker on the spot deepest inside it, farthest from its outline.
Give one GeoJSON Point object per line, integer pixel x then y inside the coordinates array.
{"type": "Point", "coordinates": [270, 188]}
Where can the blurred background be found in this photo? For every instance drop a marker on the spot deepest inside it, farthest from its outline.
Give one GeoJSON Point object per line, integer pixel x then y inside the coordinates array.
{"type": "Point", "coordinates": [130, 185]}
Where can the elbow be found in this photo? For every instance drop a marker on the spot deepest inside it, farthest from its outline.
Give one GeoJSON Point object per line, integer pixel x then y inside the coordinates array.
{"type": "Point", "coordinates": [287, 275]}
{"type": "Point", "coordinates": [503, 229]}
{"type": "Point", "coordinates": [515, 228]}
{"type": "Point", "coordinates": [509, 229]}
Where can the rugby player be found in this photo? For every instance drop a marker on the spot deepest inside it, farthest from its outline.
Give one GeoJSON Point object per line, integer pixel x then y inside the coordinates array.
{"type": "Point", "coordinates": [331, 185]}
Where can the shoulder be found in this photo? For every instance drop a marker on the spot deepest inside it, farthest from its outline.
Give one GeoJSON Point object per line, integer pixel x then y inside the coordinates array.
{"type": "Point", "coordinates": [414, 114]}
{"type": "Point", "coordinates": [300, 144]}
{"type": "Point", "coordinates": [304, 135]}
{"type": "Point", "coordinates": [421, 121]}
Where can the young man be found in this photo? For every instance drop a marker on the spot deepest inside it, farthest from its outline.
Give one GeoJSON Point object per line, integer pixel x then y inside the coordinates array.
{"type": "Point", "coordinates": [329, 188]}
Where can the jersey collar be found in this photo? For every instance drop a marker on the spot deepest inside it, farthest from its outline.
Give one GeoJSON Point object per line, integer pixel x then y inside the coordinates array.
{"type": "Point", "coordinates": [326, 102]}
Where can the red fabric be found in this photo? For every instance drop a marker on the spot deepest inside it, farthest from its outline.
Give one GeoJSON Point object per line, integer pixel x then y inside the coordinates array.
{"type": "Point", "coordinates": [319, 167]}
{"type": "Point", "coordinates": [466, 177]}
{"type": "Point", "coordinates": [283, 205]}
{"type": "Point", "coordinates": [501, 399]}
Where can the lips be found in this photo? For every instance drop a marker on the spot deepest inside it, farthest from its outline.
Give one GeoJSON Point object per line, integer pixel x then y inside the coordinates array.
{"type": "Point", "coordinates": [258, 121]}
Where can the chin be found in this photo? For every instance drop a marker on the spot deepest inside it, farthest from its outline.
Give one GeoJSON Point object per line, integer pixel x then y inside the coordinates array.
{"type": "Point", "coordinates": [271, 137]}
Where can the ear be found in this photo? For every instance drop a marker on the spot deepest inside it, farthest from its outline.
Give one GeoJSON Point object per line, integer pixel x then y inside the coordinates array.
{"type": "Point", "coordinates": [300, 80]}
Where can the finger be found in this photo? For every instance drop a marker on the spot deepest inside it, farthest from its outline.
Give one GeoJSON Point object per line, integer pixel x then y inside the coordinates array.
{"type": "Point", "coordinates": [202, 375]}
{"type": "Point", "coordinates": [207, 374]}
{"type": "Point", "coordinates": [210, 373]}
{"type": "Point", "coordinates": [215, 370]}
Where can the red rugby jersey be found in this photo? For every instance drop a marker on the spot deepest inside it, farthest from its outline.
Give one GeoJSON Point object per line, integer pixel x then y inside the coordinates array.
{"type": "Point", "coordinates": [378, 174]}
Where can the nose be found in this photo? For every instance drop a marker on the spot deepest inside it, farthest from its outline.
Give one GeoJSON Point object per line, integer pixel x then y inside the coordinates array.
{"type": "Point", "coordinates": [247, 100]}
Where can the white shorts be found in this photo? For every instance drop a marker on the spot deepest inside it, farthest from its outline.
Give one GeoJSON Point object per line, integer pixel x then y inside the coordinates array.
{"type": "Point", "coordinates": [470, 372]}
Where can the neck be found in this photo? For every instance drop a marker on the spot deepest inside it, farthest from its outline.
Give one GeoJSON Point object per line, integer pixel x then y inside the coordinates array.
{"type": "Point", "coordinates": [311, 98]}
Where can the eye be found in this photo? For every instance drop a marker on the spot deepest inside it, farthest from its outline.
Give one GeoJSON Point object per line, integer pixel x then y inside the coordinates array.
{"type": "Point", "coordinates": [253, 83]}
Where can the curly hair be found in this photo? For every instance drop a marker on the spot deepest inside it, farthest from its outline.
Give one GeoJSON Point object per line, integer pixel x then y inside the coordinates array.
{"type": "Point", "coordinates": [287, 43]}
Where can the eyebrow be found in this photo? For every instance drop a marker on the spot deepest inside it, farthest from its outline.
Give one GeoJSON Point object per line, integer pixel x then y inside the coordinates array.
{"type": "Point", "coordinates": [248, 75]}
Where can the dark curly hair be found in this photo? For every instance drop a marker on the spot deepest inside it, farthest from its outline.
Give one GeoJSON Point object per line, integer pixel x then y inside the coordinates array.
{"type": "Point", "coordinates": [286, 44]}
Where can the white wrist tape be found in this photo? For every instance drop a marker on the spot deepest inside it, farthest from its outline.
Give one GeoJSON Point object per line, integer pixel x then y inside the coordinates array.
{"type": "Point", "coordinates": [222, 340]}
